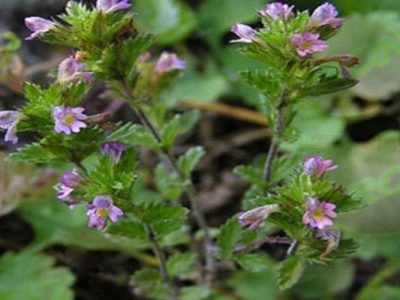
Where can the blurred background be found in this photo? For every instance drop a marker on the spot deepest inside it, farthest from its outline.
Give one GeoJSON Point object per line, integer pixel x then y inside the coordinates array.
{"type": "Point", "coordinates": [358, 129]}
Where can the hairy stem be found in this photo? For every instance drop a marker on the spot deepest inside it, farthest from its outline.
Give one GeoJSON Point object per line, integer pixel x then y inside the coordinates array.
{"type": "Point", "coordinates": [273, 149]}
{"type": "Point", "coordinates": [162, 263]}
{"type": "Point", "coordinates": [191, 193]}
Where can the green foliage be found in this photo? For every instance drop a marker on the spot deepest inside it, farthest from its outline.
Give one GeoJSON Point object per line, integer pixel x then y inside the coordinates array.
{"type": "Point", "coordinates": [33, 276]}
{"type": "Point", "coordinates": [194, 293]}
{"type": "Point", "coordinates": [251, 262]}
{"type": "Point", "coordinates": [148, 283]}
{"type": "Point", "coordinates": [169, 184]}
{"type": "Point", "coordinates": [134, 134]}
{"type": "Point", "coordinates": [171, 20]}
{"type": "Point", "coordinates": [34, 153]}
{"type": "Point", "coordinates": [190, 159]}
{"type": "Point", "coordinates": [289, 272]}
{"type": "Point", "coordinates": [180, 264]}
{"type": "Point", "coordinates": [229, 235]}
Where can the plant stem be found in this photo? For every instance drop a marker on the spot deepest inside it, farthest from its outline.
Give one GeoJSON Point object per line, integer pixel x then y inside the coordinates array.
{"type": "Point", "coordinates": [162, 263]}
{"type": "Point", "coordinates": [267, 240]}
{"type": "Point", "coordinates": [191, 193]}
{"type": "Point", "coordinates": [273, 149]}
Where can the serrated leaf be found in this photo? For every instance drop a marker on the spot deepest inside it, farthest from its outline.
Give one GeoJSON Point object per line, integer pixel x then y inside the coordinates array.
{"type": "Point", "coordinates": [34, 277]}
{"type": "Point", "coordinates": [229, 235]}
{"type": "Point", "coordinates": [251, 262]}
{"type": "Point", "coordinates": [148, 283]}
{"type": "Point", "coordinates": [194, 293]}
{"type": "Point", "coordinates": [33, 153]}
{"type": "Point", "coordinates": [190, 159]}
{"type": "Point", "coordinates": [170, 184]}
{"type": "Point", "coordinates": [134, 134]}
{"type": "Point", "coordinates": [289, 272]}
{"type": "Point", "coordinates": [252, 174]}
{"type": "Point", "coordinates": [179, 264]}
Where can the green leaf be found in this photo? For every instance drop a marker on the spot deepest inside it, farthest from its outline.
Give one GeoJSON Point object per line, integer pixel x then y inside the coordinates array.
{"type": "Point", "coordinates": [178, 125]}
{"type": "Point", "coordinates": [321, 281]}
{"type": "Point", "coordinates": [170, 20]}
{"type": "Point", "coordinates": [163, 219]}
{"type": "Point", "coordinates": [194, 293]}
{"type": "Point", "coordinates": [229, 235]}
{"type": "Point", "coordinates": [327, 86]}
{"type": "Point", "coordinates": [148, 283]}
{"type": "Point", "coordinates": [180, 264]}
{"type": "Point", "coordinates": [34, 153]}
{"type": "Point", "coordinates": [169, 184]}
{"type": "Point", "coordinates": [190, 159]}
{"type": "Point", "coordinates": [289, 272]}
{"type": "Point", "coordinates": [252, 174]}
{"type": "Point", "coordinates": [34, 277]}
{"type": "Point", "coordinates": [134, 134]}
{"type": "Point", "coordinates": [251, 262]}
{"type": "Point", "coordinates": [55, 223]}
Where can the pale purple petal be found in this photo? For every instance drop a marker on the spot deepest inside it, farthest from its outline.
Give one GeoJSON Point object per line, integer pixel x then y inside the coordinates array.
{"type": "Point", "coordinates": [318, 213]}
{"type": "Point", "coordinates": [113, 149]}
{"type": "Point", "coordinates": [68, 119]}
{"type": "Point", "coordinates": [325, 15]}
{"type": "Point", "coordinates": [246, 33]}
{"type": "Point", "coordinates": [308, 43]}
{"type": "Point", "coordinates": [277, 10]}
{"type": "Point", "coordinates": [109, 6]}
{"type": "Point", "coordinates": [253, 218]}
{"type": "Point", "coordinates": [168, 62]}
{"type": "Point", "coordinates": [316, 165]}
{"type": "Point", "coordinates": [38, 26]}
{"type": "Point", "coordinates": [71, 70]}
{"type": "Point", "coordinates": [101, 208]}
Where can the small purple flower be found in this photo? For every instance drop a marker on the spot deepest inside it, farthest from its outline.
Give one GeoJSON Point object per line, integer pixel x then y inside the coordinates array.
{"type": "Point", "coordinates": [325, 15]}
{"type": "Point", "coordinates": [71, 70]}
{"type": "Point", "coordinates": [246, 33]}
{"type": "Point", "coordinates": [253, 218]}
{"type": "Point", "coordinates": [71, 179]}
{"type": "Point", "coordinates": [168, 62]}
{"type": "Point", "coordinates": [68, 119]}
{"type": "Point", "coordinates": [109, 6]}
{"type": "Point", "coordinates": [277, 10]}
{"type": "Point", "coordinates": [38, 26]}
{"type": "Point", "coordinates": [101, 208]}
{"type": "Point", "coordinates": [113, 150]}
{"type": "Point", "coordinates": [318, 166]}
{"type": "Point", "coordinates": [308, 43]}
{"type": "Point", "coordinates": [8, 121]}
{"type": "Point", "coordinates": [318, 213]}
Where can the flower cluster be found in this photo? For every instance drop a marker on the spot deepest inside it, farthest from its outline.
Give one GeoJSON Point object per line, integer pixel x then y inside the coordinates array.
{"type": "Point", "coordinates": [39, 25]}
{"type": "Point", "coordinates": [306, 41]}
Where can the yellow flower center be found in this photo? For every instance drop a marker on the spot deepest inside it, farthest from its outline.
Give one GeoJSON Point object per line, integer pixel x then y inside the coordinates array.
{"type": "Point", "coordinates": [102, 212]}
{"type": "Point", "coordinates": [318, 214]}
{"type": "Point", "coordinates": [307, 44]}
{"type": "Point", "coordinates": [69, 119]}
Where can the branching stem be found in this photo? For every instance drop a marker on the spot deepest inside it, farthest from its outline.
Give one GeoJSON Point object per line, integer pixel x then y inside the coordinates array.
{"type": "Point", "coordinates": [191, 193]}
{"type": "Point", "coordinates": [273, 149]}
{"type": "Point", "coordinates": [162, 263]}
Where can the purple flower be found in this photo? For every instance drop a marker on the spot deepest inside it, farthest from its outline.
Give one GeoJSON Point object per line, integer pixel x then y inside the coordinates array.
{"type": "Point", "coordinates": [277, 10]}
{"type": "Point", "coordinates": [318, 166]}
{"type": "Point", "coordinates": [246, 33]}
{"type": "Point", "coordinates": [71, 70]}
{"type": "Point", "coordinates": [168, 62]}
{"type": "Point", "coordinates": [68, 119]}
{"type": "Point", "coordinates": [252, 219]}
{"type": "Point", "coordinates": [308, 43]}
{"type": "Point", "coordinates": [113, 150]}
{"type": "Point", "coordinates": [318, 213]}
{"type": "Point", "coordinates": [325, 15]}
{"type": "Point", "coordinates": [8, 121]}
{"type": "Point", "coordinates": [71, 179]}
{"type": "Point", "coordinates": [101, 208]}
{"type": "Point", "coordinates": [38, 26]}
{"type": "Point", "coordinates": [109, 6]}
